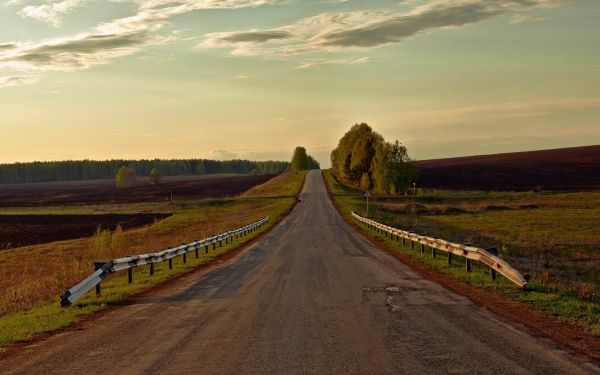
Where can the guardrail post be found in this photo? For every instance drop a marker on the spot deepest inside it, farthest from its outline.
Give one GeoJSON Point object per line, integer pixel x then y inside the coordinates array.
{"type": "Point", "coordinates": [151, 269]}
{"type": "Point", "coordinates": [97, 266]}
{"type": "Point", "coordinates": [130, 275]}
{"type": "Point", "coordinates": [206, 249]}
{"type": "Point", "coordinates": [403, 241]}
{"type": "Point", "coordinates": [469, 266]}
{"type": "Point", "coordinates": [184, 256]}
{"type": "Point", "coordinates": [196, 253]}
{"type": "Point", "coordinates": [433, 252]}
{"type": "Point", "coordinates": [422, 248]}
{"type": "Point", "coordinates": [449, 258]}
{"type": "Point", "coordinates": [493, 251]}
{"type": "Point", "coordinates": [170, 263]}
{"type": "Point", "coordinates": [412, 244]}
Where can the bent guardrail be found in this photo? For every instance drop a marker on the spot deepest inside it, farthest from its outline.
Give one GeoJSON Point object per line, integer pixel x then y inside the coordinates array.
{"type": "Point", "coordinates": [129, 263]}
{"type": "Point", "coordinates": [471, 253]}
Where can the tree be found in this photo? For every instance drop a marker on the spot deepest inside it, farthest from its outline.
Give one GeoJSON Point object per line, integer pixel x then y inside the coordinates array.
{"type": "Point", "coordinates": [363, 159]}
{"type": "Point", "coordinates": [380, 173]}
{"type": "Point", "coordinates": [312, 163]}
{"type": "Point", "coordinates": [403, 170]}
{"type": "Point", "coordinates": [126, 177]}
{"type": "Point", "coordinates": [365, 182]}
{"type": "Point", "coordinates": [155, 176]}
{"type": "Point", "coordinates": [301, 161]}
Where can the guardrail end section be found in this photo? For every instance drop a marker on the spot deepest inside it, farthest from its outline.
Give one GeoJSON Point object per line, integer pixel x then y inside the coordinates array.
{"type": "Point", "coordinates": [64, 299]}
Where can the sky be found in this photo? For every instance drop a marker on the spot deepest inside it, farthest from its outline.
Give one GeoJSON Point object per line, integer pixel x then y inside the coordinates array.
{"type": "Point", "coordinates": [222, 79]}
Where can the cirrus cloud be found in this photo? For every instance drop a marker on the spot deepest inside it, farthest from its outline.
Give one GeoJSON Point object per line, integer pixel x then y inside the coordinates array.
{"type": "Point", "coordinates": [52, 12]}
{"type": "Point", "coordinates": [109, 40]}
{"type": "Point", "coordinates": [9, 81]}
{"type": "Point", "coordinates": [335, 32]}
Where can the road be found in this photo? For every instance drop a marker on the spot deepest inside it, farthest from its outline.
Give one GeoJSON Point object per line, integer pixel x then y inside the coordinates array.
{"type": "Point", "coordinates": [311, 297]}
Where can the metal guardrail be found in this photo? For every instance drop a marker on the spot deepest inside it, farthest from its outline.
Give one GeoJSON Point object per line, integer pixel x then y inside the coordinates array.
{"type": "Point", "coordinates": [129, 263]}
{"type": "Point", "coordinates": [471, 253]}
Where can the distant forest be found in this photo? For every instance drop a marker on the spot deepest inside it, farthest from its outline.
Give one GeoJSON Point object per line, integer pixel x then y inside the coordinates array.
{"type": "Point", "coordinates": [107, 169]}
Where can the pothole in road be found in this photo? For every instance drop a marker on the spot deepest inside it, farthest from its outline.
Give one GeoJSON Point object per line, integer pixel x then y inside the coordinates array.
{"type": "Point", "coordinates": [386, 295]}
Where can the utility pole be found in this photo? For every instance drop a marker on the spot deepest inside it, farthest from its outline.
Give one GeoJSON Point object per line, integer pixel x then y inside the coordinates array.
{"type": "Point", "coordinates": [367, 194]}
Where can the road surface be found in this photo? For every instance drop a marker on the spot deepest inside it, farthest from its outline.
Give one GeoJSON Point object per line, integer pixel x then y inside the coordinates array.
{"type": "Point", "coordinates": [311, 297]}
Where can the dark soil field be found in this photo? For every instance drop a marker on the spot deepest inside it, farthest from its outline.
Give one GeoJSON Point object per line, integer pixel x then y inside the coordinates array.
{"type": "Point", "coordinates": [574, 169]}
{"type": "Point", "coordinates": [104, 191]}
{"type": "Point", "coordinates": [23, 230]}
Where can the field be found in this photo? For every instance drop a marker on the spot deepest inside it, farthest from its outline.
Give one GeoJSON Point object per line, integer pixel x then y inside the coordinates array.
{"type": "Point", "coordinates": [104, 191]}
{"type": "Point", "coordinates": [576, 168]}
{"type": "Point", "coordinates": [24, 230]}
{"type": "Point", "coordinates": [551, 236]}
{"type": "Point", "coordinates": [33, 277]}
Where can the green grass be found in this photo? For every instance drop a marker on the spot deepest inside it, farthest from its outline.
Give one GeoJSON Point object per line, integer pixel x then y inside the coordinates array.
{"type": "Point", "coordinates": [552, 301]}
{"type": "Point", "coordinates": [32, 303]}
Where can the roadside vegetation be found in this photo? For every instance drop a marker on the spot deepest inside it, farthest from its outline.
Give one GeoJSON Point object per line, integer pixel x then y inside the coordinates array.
{"type": "Point", "coordinates": [33, 277]}
{"type": "Point", "coordinates": [364, 160]}
{"type": "Point", "coordinates": [548, 235]}
{"type": "Point", "coordinates": [301, 161]}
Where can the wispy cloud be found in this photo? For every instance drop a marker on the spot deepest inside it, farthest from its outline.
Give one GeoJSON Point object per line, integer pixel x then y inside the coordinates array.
{"type": "Point", "coordinates": [315, 63]}
{"type": "Point", "coordinates": [108, 40]}
{"type": "Point", "coordinates": [523, 18]}
{"type": "Point", "coordinates": [51, 12]}
{"type": "Point", "coordinates": [334, 32]}
{"type": "Point", "coordinates": [9, 81]}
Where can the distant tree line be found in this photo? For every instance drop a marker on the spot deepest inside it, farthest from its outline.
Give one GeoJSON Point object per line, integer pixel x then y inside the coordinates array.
{"type": "Point", "coordinates": [301, 161]}
{"type": "Point", "coordinates": [108, 169]}
{"type": "Point", "coordinates": [363, 159]}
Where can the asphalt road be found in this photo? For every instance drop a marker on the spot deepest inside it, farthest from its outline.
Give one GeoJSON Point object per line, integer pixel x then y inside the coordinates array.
{"type": "Point", "coordinates": [312, 297]}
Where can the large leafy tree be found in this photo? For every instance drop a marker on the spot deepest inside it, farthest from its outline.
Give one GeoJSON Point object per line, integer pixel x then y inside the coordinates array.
{"type": "Point", "coordinates": [365, 160]}
{"type": "Point", "coordinates": [302, 161]}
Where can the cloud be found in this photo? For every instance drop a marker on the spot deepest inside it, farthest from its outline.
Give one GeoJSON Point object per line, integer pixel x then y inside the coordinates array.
{"type": "Point", "coordinates": [315, 63]}
{"type": "Point", "coordinates": [78, 52]}
{"type": "Point", "coordinates": [335, 32]}
{"type": "Point", "coordinates": [522, 18]}
{"type": "Point", "coordinates": [109, 40]}
{"type": "Point", "coordinates": [52, 12]}
{"type": "Point", "coordinates": [9, 81]}
{"type": "Point", "coordinates": [255, 36]}
{"type": "Point", "coordinates": [223, 155]}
